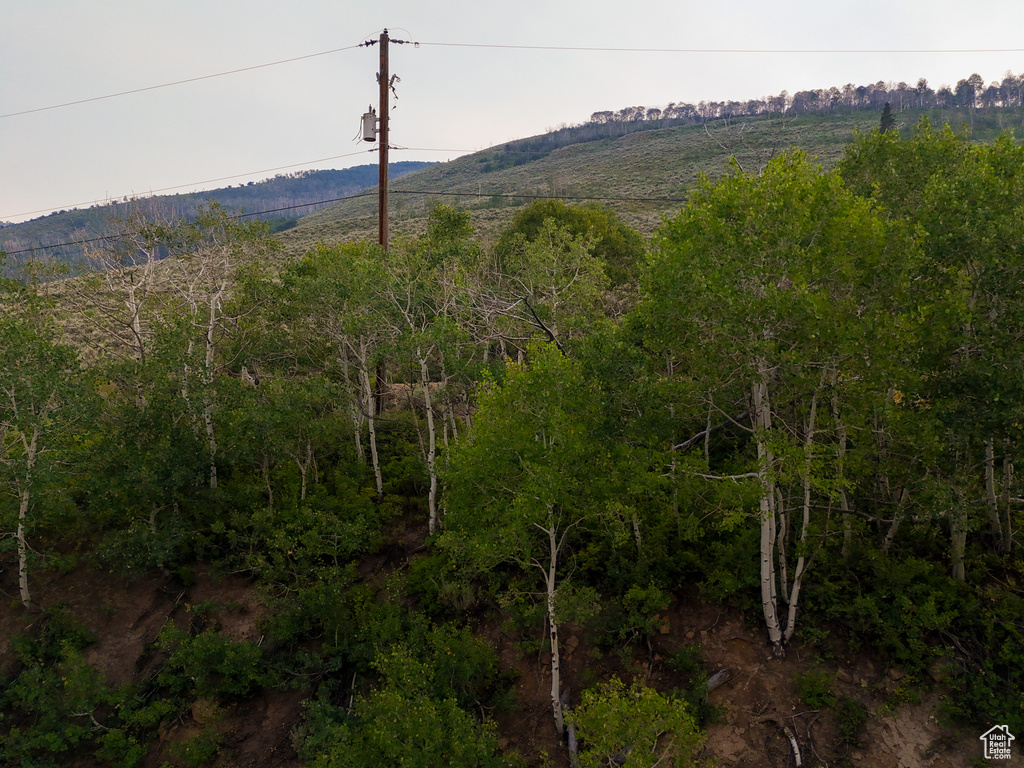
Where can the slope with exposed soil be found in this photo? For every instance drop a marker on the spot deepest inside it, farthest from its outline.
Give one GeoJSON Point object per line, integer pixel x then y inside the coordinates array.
{"type": "Point", "coordinates": [756, 705]}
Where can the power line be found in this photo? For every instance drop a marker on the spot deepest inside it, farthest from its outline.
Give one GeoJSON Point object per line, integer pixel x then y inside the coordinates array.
{"type": "Point", "coordinates": [567, 48]}
{"type": "Point", "coordinates": [433, 193]}
{"type": "Point", "coordinates": [598, 49]}
{"type": "Point", "coordinates": [192, 184]}
{"type": "Point", "coordinates": [236, 216]}
{"type": "Point", "coordinates": [515, 196]}
{"type": "Point", "coordinates": [115, 198]}
{"type": "Point", "coordinates": [177, 82]}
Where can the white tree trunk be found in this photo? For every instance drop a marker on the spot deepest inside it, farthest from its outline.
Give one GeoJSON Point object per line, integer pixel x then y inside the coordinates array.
{"type": "Point", "coordinates": [762, 423]}
{"type": "Point", "coordinates": [31, 450]}
{"type": "Point", "coordinates": [302, 476]}
{"type": "Point", "coordinates": [552, 589]}
{"type": "Point", "coordinates": [368, 400]}
{"type": "Point", "coordinates": [995, 523]}
{"type": "Point", "coordinates": [135, 314]}
{"type": "Point", "coordinates": [897, 518]}
{"type": "Point", "coordinates": [26, 597]}
{"type": "Point", "coordinates": [958, 542]}
{"type": "Point", "coordinates": [781, 518]}
{"type": "Point", "coordinates": [844, 502]}
{"type": "Point", "coordinates": [801, 562]}
{"type": "Point", "coordinates": [431, 445]}
{"type": "Point", "coordinates": [208, 377]}
{"type": "Point", "coordinates": [356, 411]}
{"type": "Point", "coordinates": [1007, 483]}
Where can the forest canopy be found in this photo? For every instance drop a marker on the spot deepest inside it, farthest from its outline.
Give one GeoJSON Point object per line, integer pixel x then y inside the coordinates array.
{"type": "Point", "coordinates": [810, 406]}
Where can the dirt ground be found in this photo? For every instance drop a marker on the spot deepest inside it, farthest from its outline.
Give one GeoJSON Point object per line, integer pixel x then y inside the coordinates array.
{"type": "Point", "coordinates": [757, 704]}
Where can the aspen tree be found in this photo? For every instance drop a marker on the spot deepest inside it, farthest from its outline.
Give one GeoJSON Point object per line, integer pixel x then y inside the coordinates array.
{"type": "Point", "coordinates": [766, 290]}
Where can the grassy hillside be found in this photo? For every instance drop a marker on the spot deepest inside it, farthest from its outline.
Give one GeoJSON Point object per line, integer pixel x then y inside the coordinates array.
{"type": "Point", "coordinates": [622, 171]}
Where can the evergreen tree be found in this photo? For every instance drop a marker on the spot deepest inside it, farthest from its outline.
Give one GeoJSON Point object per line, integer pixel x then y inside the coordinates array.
{"type": "Point", "coordinates": [888, 121]}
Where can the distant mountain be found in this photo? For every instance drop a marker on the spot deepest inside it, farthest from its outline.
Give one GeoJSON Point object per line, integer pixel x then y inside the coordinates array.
{"type": "Point", "coordinates": [281, 201]}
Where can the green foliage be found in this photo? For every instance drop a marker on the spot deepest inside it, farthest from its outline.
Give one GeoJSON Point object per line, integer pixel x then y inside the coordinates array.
{"type": "Point", "coordinates": [886, 300]}
{"type": "Point", "coordinates": [888, 122]}
{"type": "Point", "coordinates": [908, 605]}
{"type": "Point", "coordinates": [988, 668]}
{"type": "Point", "coordinates": [815, 688]}
{"type": "Point", "coordinates": [293, 545]}
{"type": "Point", "coordinates": [142, 546]}
{"type": "Point", "coordinates": [690, 664]}
{"type": "Point", "coordinates": [462, 666]}
{"type": "Point", "coordinates": [618, 246]}
{"type": "Point", "coordinates": [441, 591]}
{"type": "Point", "coordinates": [48, 710]}
{"type": "Point", "coordinates": [632, 616]}
{"type": "Point", "coordinates": [932, 626]}
{"type": "Point", "coordinates": [209, 665]}
{"type": "Point", "coordinates": [49, 707]}
{"type": "Point", "coordinates": [402, 723]}
{"type": "Point", "coordinates": [198, 751]}
{"type": "Point", "coordinates": [851, 716]}
{"type": "Point", "coordinates": [637, 723]}
{"type": "Point", "coordinates": [724, 583]}
{"type": "Point", "coordinates": [529, 449]}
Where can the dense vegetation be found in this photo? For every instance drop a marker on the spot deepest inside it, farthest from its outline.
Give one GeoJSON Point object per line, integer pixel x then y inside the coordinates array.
{"type": "Point", "coordinates": [804, 395]}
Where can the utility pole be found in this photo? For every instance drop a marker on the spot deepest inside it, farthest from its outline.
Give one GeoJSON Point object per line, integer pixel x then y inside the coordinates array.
{"type": "Point", "coordinates": [382, 186]}
{"type": "Point", "coordinates": [386, 82]}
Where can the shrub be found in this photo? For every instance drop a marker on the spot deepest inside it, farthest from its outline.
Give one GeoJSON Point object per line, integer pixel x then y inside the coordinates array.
{"type": "Point", "coordinates": [815, 689]}
{"type": "Point", "coordinates": [851, 716]}
{"type": "Point", "coordinates": [404, 722]}
{"type": "Point", "coordinates": [637, 722]}
{"type": "Point", "coordinates": [210, 665]}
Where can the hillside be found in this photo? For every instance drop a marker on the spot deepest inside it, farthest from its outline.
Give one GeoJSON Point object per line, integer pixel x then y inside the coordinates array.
{"type": "Point", "coordinates": [286, 198]}
{"type": "Point", "coordinates": [739, 498]}
{"type": "Point", "coordinates": [619, 165]}
{"type": "Point", "coordinates": [625, 166]}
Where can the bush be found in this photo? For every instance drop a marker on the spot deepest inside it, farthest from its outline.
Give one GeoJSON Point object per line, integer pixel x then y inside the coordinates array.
{"type": "Point", "coordinates": [44, 711]}
{"type": "Point", "coordinates": [815, 689]}
{"type": "Point", "coordinates": [637, 722]}
{"type": "Point", "coordinates": [210, 665]}
{"type": "Point", "coordinates": [689, 662]}
{"type": "Point", "coordinates": [405, 722]}
{"type": "Point", "coordinates": [851, 716]}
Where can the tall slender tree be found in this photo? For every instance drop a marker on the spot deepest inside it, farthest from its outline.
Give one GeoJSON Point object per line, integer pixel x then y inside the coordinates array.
{"type": "Point", "coordinates": [41, 400]}
{"type": "Point", "coordinates": [768, 290]}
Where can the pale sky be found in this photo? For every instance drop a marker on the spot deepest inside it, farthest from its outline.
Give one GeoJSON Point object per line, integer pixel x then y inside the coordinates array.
{"type": "Point", "coordinates": [452, 99]}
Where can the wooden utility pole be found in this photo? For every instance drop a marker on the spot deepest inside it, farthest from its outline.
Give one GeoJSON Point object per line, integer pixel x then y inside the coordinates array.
{"type": "Point", "coordinates": [383, 78]}
{"type": "Point", "coordinates": [384, 81]}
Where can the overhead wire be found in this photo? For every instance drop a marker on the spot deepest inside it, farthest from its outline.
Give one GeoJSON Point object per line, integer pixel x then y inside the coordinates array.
{"type": "Point", "coordinates": [433, 193]}
{"type": "Point", "coordinates": [455, 45]}
{"type": "Point", "coordinates": [177, 82]}
{"type": "Point", "coordinates": [569, 48]}
{"type": "Point", "coordinates": [303, 164]}
{"type": "Point", "coordinates": [601, 49]}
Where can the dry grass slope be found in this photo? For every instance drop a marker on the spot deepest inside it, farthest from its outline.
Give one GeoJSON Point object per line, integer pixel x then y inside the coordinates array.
{"type": "Point", "coordinates": [663, 163]}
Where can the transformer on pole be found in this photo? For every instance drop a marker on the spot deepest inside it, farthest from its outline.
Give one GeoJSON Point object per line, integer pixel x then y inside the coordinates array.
{"type": "Point", "coordinates": [374, 125]}
{"type": "Point", "coordinates": [370, 125]}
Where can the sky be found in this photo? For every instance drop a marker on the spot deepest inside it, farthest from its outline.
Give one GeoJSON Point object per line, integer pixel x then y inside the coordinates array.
{"type": "Point", "coordinates": [484, 73]}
